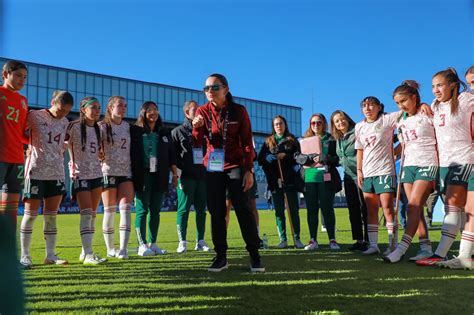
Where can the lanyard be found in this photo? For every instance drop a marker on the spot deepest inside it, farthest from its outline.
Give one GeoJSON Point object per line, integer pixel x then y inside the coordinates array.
{"type": "Point", "coordinates": [149, 140]}
{"type": "Point", "coordinates": [226, 122]}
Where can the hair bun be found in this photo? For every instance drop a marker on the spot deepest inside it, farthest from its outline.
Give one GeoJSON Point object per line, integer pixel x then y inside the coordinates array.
{"type": "Point", "coordinates": [411, 83]}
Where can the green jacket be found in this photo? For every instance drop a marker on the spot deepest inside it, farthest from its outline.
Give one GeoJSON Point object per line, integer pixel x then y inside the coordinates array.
{"type": "Point", "coordinates": [347, 153]}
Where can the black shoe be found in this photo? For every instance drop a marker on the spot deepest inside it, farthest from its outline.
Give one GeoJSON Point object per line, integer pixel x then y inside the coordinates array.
{"type": "Point", "coordinates": [261, 244]}
{"type": "Point", "coordinates": [218, 264]}
{"type": "Point", "coordinates": [358, 246]}
{"type": "Point", "coordinates": [256, 265]}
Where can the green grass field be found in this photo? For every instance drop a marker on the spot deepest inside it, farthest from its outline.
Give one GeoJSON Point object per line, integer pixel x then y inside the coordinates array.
{"type": "Point", "coordinates": [296, 281]}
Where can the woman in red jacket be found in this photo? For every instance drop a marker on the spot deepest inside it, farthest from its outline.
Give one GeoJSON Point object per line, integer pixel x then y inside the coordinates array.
{"type": "Point", "coordinates": [225, 126]}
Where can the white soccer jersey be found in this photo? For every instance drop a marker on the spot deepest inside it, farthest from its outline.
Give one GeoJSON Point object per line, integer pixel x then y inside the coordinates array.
{"type": "Point", "coordinates": [83, 164]}
{"type": "Point", "coordinates": [45, 160]}
{"type": "Point", "coordinates": [117, 153]}
{"type": "Point", "coordinates": [376, 141]}
{"type": "Point", "coordinates": [453, 132]}
{"type": "Point", "coordinates": [418, 134]}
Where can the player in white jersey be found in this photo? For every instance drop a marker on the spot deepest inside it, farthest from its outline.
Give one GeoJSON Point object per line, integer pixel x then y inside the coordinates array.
{"type": "Point", "coordinates": [85, 151]}
{"type": "Point", "coordinates": [466, 247]}
{"type": "Point", "coordinates": [376, 169]}
{"type": "Point", "coordinates": [420, 167]}
{"type": "Point", "coordinates": [452, 121]}
{"type": "Point", "coordinates": [44, 174]}
{"type": "Point", "coordinates": [116, 169]}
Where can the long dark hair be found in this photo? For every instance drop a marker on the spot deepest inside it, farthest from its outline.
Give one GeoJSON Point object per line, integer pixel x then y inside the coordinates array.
{"type": "Point", "coordinates": [409, 87]}
{"type": "Point", "coordinates": [108, 117]}
{"type": "Point", "coordinates": [376, 101]}
{"type": "Point", "coordinates": [337, 133]}
{"type": "Point", "coordinates": [451, 76]}
{"type": "Point", "coordinates": [271, 141]}
{"type": "Point", "coordinates": [82, 119]}
{"type": "Point", "coordinates": [141, 120]}
{"type": "Point", "coordinates": [222, 78]}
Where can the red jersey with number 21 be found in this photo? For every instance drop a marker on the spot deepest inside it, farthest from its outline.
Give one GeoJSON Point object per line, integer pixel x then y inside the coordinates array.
{"type": "Point", "coordinates": [13, 110]}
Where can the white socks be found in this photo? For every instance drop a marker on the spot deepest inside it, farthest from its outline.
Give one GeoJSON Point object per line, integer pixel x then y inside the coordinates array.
{"type": "Point", "coordinates": [50, 231]}
{"type": "Point", "coordinates": [449, 230]}
{"type": "Point", "coordinates": [26, 230]}
{"type": "Point", "coordinates": [108, 226]}
{"type": "Point", "coordinates": [467, 244]}
{"type": "Point", "coordinates": [392, 230]}
{"type": "Point", "coordinates": [87, 230]}
{"type": "Point", "coordinates": [125, 224]}
{"type": "Point", "coordinates": [373, 232]}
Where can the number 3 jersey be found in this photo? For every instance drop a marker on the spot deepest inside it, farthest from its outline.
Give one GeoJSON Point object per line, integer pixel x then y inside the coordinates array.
{"type": "Point", "coordinates": [453, 132]}
{"type": "Point", "coordinates": [13, 110]}
{"type": "Point", "coordinates": [83, 164]}
{"type": "Point", "coordinates": [117, 149]}
{"type": "Point", "coordinates": [376, 141]}
{"type": "Point", "coordinates": [418, 134]}
{"type": "Point", "coordinates": [46, 146]}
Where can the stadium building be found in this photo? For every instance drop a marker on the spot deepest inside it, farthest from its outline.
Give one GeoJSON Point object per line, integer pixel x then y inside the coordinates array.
{"type": "Point", "coordinates": [44, 79]}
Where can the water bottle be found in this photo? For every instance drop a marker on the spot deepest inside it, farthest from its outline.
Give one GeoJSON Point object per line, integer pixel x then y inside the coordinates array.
{"type": "Point", "coordinates": [265, 241]}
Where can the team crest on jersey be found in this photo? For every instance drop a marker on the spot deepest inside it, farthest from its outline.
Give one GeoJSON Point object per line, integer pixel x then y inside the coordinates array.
{"type": "Point", "coordinates": [34, 190]}
{"type": "Point", "coordinates": [112, 180]}
{"type": "Point", "coordinates": [23, 104]}
{"type": "Point", "coordinates": [83, 183]}
{"type": "Point", "coordinates": [3, 98]}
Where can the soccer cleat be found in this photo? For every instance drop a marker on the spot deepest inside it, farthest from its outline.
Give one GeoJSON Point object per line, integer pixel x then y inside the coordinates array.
{"type": "Point", "coordinates": [334, 245]}
{"type": "Point", "coordinates": [26, 262]}
{"type": "Point", "coordinates": [298, 244]}
{"type": "Point", "coordinates": [54, 260]}
{"type": "Point", "coordinates": [371, 250]}
{"type": "Point", "coordinates": [158, 251]}
{"type": "Point", "coordinates": [182, 247]}
{"type": "Point", "coordinates": [312, 245]}
{"type": "Point", "coordinates": [122, 254]}
{"type": "Point", "coordinates": [143, 250]}
{"type": "Point", "coordinates": [256, 265]}
{"type": "Point", "coordinates": [82, 256]}
{"type": "Point", "coordinates": [112, 253]}
{"type": "Point", "coordinates": [93, 259]}
{"type": "Point", "coordinates": [218, 264]}
{"type": "Point", "coordinates": [283, 244]}
{"type": "Point", "coordinates": [430, 261]}
{"type": "Point", "coordinates": [421, 254]}
{"type": "Point", "coordinates": [456, 263]}
{"type": "Point", "coordinates": [201, 245]}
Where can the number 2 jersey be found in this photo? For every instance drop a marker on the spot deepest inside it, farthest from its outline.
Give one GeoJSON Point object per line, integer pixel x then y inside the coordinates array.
{"type": "Point", "coordinates": [13, 111]}
{"type": "Point", "coordinates": [46, 146]}
{"type": "Point", "coordinates": [117, 149]}
{"type": "Point", "coordinates": [453, 132]}
{"type": "Point", "coordinates": [376, 141]}
{"type": "Point", "coordinates": [418, 134]}
{"type": "Point", "coordinates": [83, 164]}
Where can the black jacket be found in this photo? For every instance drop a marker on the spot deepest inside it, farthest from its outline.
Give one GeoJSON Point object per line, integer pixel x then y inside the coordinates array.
{"type": "Point", "coordinates": [166, 157]}
{"type": "Point", "coordinates": [182, 139]}
{"type": "Point", "coordinates": [290, 169]}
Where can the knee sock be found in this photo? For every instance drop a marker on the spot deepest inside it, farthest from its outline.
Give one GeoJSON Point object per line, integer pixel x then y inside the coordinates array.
{"type": "Point", "coordinates": [9, 209]}
{"type": "Point", "coordinates": [373, 231]}
{"type": "Point", "coordinates": [125, 224]}
{"type": "Point", "coordinates": [404, 244]}
{"type": "Point", "coordinates": [390, 230]}
{"type": "Point", "coordinates": [449, 230]}
{"type": "Point", "coordinates": [26, 230]}
{"type": "Point", "coordinates": [50, 231]}
{"type": "Point", "coordinates": [425, 244]}
{"type": "Point", "coordinates": [467, 244]}
{"type": "Point", "coordinates": [108, 226]}
{"type": "Point", "coordinates": [86, 232]}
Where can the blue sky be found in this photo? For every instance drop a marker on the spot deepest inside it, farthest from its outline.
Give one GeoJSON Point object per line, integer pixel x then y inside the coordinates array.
{"type": "Point", "coordinates": [321, 55]}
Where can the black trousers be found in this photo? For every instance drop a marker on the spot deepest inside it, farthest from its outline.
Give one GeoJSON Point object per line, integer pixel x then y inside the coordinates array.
{"type": "Point", "coordinates": [357, 209]}
{"type": "Point", "coordinates": [217, 183]}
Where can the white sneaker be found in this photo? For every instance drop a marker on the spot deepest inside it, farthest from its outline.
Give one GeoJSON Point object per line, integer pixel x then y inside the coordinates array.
{"type": "Point", "coordinates": [54, 260]}
{"type": "Point", "coordinates": [456, 263]}
{"type": "Point", "coordinates": [298, 244]}
{"type": "Point", "coordinates": [323, 228]}
{"type": "Point", "coordinates": [334, 245]}
{"type": "Point", "coordinates": [201, 245]}
{"type": "Point", "coordinates": [82, 256]}
{"type": "Point", "coordinates": [143, 250]}
{"type": "Point", "coordinates": [313, 245]}
{"type": "Point", "coordinates": [421, 254]}
{"type": "Point", "coordinates": [112, 253]}
{"type": "Point", "coordinates": [158, 251]}
{"type": "Point", "coordinates": [283, 244]}
{"type": "Point", "coordinates": [122, 254]}
{"type": "Point", "coordinates": [26, 262]}
{"type": "Point", "coordinates": [372, 250]}
{"type": "Point", "coordinates": [182, 247]}
{"type": "Point", "coordinates": [93, 259]}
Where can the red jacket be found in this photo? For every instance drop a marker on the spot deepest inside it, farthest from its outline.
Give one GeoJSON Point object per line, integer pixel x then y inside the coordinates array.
{"type": "Point", "coordinates": [239, 150]}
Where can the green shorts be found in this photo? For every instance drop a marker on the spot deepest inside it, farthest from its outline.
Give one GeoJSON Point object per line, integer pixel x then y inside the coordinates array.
{"type": "Point", "coordinates": [454, 175]}
{"type": "Point", "coordinates": [115, 181]}
{"type": "Point", "coordinates": [78, 185]}
{"type": "Point", "coordinates": [470, 186]}
{"type": "Point", "coordinates": [380, 184]}
{"type": "Point", "coordinates": [411, 174]}
{"type": "Point", "coordinates": [42, 189]}
{"type": "Point", "coordinates": [11, 177]}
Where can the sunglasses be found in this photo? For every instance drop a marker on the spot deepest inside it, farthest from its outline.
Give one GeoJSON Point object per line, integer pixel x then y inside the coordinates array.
{"type": "Point", "coordinates": [316, 123]}
{"type": "Point", "coordinates": [214, 87]}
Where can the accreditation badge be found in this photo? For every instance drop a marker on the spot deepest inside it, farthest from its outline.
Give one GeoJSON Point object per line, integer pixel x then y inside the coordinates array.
{"type": "Point", "coordinates": [153, 164]}
{"type": "Point", "coordinates": [197, 156]}
{"type": "Point", "coordinates": [216, 161]}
